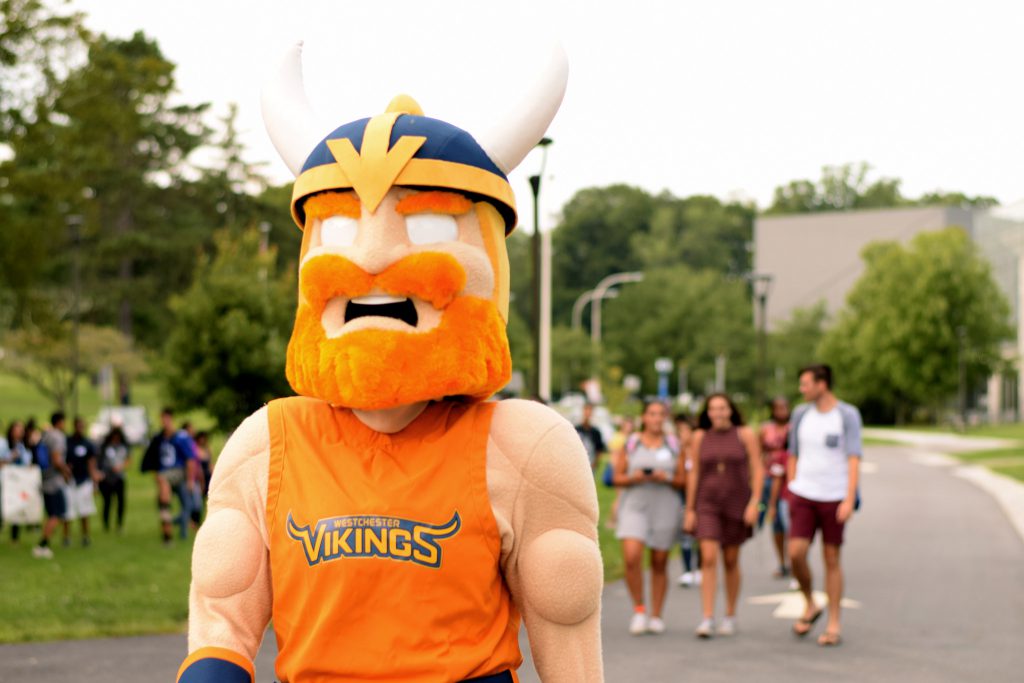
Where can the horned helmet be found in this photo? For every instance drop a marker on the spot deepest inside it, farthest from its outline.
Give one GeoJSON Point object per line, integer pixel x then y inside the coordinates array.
{"type": "Point", "coordinates": [403, 272]}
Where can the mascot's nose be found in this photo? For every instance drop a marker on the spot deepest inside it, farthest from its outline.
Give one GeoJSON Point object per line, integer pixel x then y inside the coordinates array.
{"type": "Point", "coordinates": [383, 241]}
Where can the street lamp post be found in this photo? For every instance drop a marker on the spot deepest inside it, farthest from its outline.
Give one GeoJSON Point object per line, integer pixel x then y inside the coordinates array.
{"type": "Point", "coordinates": [761, 283]}
{"type": "Point", "coordinates": [581, 302]}
{"type": "Point", "coordinates": [600, 292]}
{"type": "Point", "coordinates": [74, 225]}
{"type": "Point", "coordinates": [535, 180]}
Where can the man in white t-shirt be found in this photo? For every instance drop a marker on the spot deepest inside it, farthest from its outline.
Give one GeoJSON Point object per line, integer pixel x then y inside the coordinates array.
{"type": "Point", "coordinates": [824, 471]}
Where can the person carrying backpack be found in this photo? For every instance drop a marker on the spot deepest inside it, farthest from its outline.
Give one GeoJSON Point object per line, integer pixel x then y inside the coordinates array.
{"type": "Point", "coordinates": [650, 512]}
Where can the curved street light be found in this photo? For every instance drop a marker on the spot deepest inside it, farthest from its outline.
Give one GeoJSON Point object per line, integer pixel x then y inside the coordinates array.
{"type": "Point", "coordinates": [581, 302]}
{"type": "Point", "coordinates": [599, 293]}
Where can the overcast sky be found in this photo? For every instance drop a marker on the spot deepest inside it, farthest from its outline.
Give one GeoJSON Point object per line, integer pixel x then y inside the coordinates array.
{"type": "Point", "coordinates": [726, 98]}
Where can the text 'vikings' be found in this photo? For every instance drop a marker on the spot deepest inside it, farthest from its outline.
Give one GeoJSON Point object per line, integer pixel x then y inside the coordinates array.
{"type": "Point", "coordinates": [356, 536]}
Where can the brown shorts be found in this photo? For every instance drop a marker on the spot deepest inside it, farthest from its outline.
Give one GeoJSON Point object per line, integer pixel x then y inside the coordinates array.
{"type": "Point", "coordinates": [712, 525]}
{"type": "Point", "coordinates": [807, 516]}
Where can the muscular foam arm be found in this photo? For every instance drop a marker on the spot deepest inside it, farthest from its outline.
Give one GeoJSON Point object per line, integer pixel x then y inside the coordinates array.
{"type": "Point", "coordinates": [542, 490]}
{"type": "Point", "coordinates": [230, 599]}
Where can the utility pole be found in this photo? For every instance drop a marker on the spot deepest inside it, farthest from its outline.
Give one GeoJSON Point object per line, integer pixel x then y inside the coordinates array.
{"type": "Point", "coordinates": [961, 362]}
{"type": "Point", "coordinates": [760, 284]}
{"type": "Point", "coordinates": [74, 225]}
{"type": "Point", "coordinates": [599, 294]}
{"type": "Point", "coordinates": [533, 385]}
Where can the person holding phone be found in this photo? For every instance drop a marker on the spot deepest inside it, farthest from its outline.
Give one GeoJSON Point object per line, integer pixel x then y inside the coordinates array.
{"type": "Point", "coordinates": [648, 470]}
{"type": "Point", "coordinates": [721, 502]}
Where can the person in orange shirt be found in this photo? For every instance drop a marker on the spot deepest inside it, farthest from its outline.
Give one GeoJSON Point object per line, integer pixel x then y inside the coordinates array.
{"type": "Point", "coordinates": [393, 523]}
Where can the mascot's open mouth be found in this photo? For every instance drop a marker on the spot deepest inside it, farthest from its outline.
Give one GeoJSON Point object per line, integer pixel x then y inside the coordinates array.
{"type": "Point", "coordinates": [382, 306]}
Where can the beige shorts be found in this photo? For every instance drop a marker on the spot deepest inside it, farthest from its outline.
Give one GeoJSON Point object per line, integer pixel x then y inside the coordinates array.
{"type": "Point", "coordinates": [79, 499]}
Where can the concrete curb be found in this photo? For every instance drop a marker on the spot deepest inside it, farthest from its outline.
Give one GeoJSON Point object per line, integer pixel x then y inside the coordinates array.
{"type": "Point", "coordinates": [1008, 492]}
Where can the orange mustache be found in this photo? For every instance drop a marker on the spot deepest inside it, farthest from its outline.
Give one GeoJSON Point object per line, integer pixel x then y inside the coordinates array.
{"type": "Point", "coordinates": [434, 277]}
{"type": "Point", "coordinates": [467, 354]}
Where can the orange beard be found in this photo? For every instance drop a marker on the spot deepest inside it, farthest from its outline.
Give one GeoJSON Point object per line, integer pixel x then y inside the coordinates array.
{"type": "Point", "coordinates": [467, 354]}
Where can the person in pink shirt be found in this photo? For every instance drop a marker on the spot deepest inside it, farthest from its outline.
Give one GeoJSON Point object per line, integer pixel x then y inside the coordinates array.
{"type": "Point", "coordinates": [775, 497]}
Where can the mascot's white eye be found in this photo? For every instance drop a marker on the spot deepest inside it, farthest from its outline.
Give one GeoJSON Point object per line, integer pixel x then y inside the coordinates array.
{"type": "Point", "coordinates": [338, 231]}
{"type": "Point", "coordinates": [429, 228]}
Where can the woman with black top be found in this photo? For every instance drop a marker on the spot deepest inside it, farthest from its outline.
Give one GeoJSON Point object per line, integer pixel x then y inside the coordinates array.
{"type": "Point", "coordinates": [114, 458]}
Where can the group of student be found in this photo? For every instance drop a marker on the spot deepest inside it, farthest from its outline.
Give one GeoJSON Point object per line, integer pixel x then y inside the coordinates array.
{"type": "Point", "coordinates": [73, 468]}
{"type": "Point", "coordinates": [719, 479]}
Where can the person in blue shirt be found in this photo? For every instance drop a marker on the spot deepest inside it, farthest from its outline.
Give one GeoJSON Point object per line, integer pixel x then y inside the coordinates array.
{"type": "Point", "coordinates": [168, 456]}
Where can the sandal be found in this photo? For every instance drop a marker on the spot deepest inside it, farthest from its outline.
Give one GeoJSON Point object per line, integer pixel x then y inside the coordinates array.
{"type": "Point", "coordinates": [806, 623]}
{"type": "Point", "coordinates": [829, 639]}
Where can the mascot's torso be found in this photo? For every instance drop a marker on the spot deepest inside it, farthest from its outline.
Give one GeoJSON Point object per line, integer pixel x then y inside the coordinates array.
{"type": "Point", "coordinates": [388, 541]}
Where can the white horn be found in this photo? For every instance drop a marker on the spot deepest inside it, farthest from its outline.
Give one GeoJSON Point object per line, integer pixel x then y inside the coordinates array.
{"type": "Point", "coordinates": [524, 124]}
{"type": "Point", "coordinates": [286, 112]}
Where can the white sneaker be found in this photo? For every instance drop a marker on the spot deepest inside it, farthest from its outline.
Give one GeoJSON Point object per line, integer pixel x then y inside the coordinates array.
{"type": "Point", "coordinates": [794, 585]}
{"type": "Point", "coordinates": [638, 624]}
{"type": "Point", "coordinates": [697, 577]}
{"type": "Point", "coordinates": [686, 580]}
{"type": "Point", "coordinates": [727, 627]}
{"type": "Point", "coordinates": [656, 626]}
{"type": "Point", "coordinates": [42, 552]}
{"type": "Point", "coordinates": [706, 628]}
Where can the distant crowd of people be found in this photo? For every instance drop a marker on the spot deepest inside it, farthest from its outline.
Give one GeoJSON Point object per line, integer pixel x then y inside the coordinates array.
{"type": "Point", "coordinates": [707, 485]}
{"type": "Point", "coordinates": [73, 470]}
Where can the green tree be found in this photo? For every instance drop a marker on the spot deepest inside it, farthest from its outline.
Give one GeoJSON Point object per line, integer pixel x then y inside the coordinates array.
{"type": "Point", "coordinates": [793, 345]}
{"type": "Point", "coordinates": [593, 240]}
{"type": "Point", "coordinates": [618, 228]}
{"type": "Point", "coordinates": [895, 345]}
{"type": "Point", "coordinates": [226, 350]}
{"type": "Point", "coordinates": [43, 357]}
{"type": "Point", "coordinates": [108, 145]}
{"type": "Point", "coordinates": [37, 47]}
{"type": "Point", "coordinates": [840, 188]}
{"type": "Point", "coordinates": [572, 359]}
{"type": "Point", "coordinates": [844, 188]}
{"type": "Point", "coordinates": [686, 315]}
{"type": "Point", "coordinates": [940, 198]}
{"type": "Point", "coordinates": [697, 231]}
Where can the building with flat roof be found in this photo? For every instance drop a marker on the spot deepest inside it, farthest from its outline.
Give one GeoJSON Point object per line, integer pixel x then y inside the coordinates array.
{"type": "Point", "coordinates": [814, 257]}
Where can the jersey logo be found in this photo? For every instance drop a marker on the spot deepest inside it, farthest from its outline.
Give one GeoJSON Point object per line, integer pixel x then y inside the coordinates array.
{"type": "Point", "coordinates": [393, 538]}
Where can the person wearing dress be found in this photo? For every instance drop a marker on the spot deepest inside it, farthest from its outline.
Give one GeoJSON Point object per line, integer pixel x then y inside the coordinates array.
{"type": "Point", "coordinates": [721, 502]}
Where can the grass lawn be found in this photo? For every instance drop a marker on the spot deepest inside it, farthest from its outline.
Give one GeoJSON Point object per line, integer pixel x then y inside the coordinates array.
{"type": "Point", "coordinates": [1014, 430]}
{"type": "Point", "coordinates": [121, 585]}
{"type": "Point", "coordinates": [875, 441]}
{"type": "Point", "coordinates": [611, 549]}
{"type": "Point", "coordinates": [994, 454]}
{"type": "Point", "coordinates": [1015, 471]}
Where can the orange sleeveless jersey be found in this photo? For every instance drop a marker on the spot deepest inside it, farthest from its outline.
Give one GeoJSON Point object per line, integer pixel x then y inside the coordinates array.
{"type": "Point", "coordinates": [384, 549]}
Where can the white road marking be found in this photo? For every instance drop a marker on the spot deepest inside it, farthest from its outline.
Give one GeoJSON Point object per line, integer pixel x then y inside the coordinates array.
{"type": "Point", "coordinates": [791, 604]}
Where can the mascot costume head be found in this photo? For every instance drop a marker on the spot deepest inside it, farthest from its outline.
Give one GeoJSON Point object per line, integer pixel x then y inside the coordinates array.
{"type": "Point", "coordinates": [404, 276]}
{"type": "Point", "coordinates": [391, 522]}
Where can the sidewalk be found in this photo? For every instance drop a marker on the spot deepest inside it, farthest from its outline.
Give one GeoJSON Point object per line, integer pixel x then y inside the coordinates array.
{"type": "Point", "coordinates": [945, 442]}
{"type": "Point", "coordinates": [1006, 491]}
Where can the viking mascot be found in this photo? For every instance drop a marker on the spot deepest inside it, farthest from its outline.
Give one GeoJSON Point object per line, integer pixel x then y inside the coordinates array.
{"type": "Point", "coordinates": [391, 522]}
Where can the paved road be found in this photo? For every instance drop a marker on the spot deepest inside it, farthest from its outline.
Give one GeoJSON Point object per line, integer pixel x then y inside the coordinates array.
{"type": "Point", "coordinates": [931, 558]}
